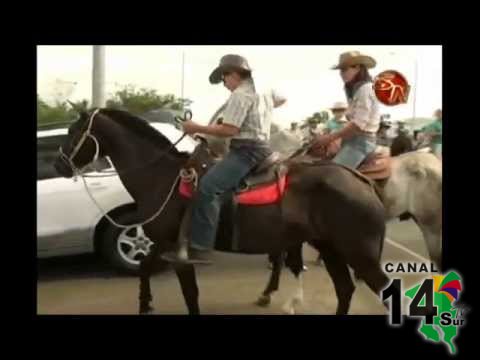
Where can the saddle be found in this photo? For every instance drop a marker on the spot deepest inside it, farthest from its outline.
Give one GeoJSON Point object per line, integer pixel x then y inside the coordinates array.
{"type": "Point", "coordinates": [265, 184]}
{"type": "Point", "coordinates": [263, 173]}
{"type": "Point", "coordinates": [377, 165]}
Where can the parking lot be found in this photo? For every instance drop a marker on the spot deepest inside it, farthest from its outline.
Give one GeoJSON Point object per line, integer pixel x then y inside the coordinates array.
{"type": "Point", "coordinates": [84, 285]}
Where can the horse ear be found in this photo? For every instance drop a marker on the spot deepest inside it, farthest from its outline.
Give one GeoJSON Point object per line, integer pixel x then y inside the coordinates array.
{"type": "Point", "coordinates": [81, 111]}
{"type": "Point", "coordinates": [74, 107]}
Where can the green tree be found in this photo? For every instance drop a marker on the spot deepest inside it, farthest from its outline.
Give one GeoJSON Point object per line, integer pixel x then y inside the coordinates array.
{"type": "Point", "coordinates": [51, 114]}
{"type": "Point", "coordinates": [143, 100]}
{"type": "Point", "coordinates": [315, 119]}
{"type": "Point", "coordinates": [130, 99]}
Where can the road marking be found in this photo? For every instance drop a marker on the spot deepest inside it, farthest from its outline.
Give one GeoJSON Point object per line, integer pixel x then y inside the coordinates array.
{"type": "Point", "coordinates": [407, 250]}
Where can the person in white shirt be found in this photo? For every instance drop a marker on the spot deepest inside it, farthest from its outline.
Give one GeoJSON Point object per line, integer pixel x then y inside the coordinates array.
{"type": "Point", "coordinates": [359, 134]}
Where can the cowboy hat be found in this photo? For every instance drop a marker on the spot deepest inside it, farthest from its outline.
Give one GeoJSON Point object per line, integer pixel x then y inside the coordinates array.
{"type": "Point", "coordinates": [352, 58]}
{"type": "Point", "coordinates": [229, 63]}
{"type": "Point", "coordinates": [339, 105]}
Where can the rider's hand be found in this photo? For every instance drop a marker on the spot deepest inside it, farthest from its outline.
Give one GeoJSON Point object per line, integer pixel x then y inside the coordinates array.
{"type": "Point", "coordinates": [190, 127]}
{"type": "Point", "coordinates": [322, 140]}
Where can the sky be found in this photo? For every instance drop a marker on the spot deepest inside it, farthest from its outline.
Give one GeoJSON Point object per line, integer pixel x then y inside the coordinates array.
{"type": "Point", "coordinates": [301, 73]}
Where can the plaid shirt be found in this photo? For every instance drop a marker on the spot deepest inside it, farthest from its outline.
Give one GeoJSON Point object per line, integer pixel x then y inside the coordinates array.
{"type": "Point", "coordinates": [246, 110]}
{"type": "Point", "coordinates": [364, 109]}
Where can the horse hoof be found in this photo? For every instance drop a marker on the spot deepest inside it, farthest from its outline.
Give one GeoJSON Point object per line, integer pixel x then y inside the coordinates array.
{"type": "Point", "coordinates": [145, 310]}
{"type": "Point", "coordinates": [263, 301]}
{"type": "Point", "coordinates": [288, 310]}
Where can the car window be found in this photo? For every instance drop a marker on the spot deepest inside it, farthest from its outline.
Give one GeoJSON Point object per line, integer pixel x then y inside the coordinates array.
{"type": "Point", "coordinates": [47, 153]}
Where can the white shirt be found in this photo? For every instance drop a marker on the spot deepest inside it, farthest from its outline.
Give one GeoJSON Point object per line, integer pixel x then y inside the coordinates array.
{"type": "Point", "coordinates": [239, 106]}
{"type": "Point", "coordinates": [364, 109]}
{"type": "Point", "coordinates": [244, 110]}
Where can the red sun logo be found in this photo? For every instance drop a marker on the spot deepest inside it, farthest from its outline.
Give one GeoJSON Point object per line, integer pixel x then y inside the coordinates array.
{"type": "Point", "coordinates": [391, 88]}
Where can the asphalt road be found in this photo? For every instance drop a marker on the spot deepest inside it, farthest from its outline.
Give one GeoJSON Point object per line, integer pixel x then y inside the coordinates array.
{"type": "Point", "coordinates": [84, 285]}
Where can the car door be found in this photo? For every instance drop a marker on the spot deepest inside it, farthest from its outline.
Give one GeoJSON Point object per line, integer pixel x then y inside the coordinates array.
{"type": "Point", "coordinates": [65, 213]}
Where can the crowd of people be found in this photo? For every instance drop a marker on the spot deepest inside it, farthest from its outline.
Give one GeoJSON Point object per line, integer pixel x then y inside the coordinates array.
{"type": "Point", "coordinates": [429, 136]}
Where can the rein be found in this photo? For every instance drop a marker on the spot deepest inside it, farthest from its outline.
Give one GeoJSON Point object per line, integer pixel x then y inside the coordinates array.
{"type": "Point", "coordinates": [80, 172]}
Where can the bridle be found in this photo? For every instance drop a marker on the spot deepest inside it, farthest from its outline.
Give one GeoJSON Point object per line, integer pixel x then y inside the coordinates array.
{"type": "Point", "coordinates": [87, 134]}
{"type": "Point", "coordinates": [189, 176]}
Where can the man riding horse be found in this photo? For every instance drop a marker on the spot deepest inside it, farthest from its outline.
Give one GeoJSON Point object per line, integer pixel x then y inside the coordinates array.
{"type": "Point", "coordinates": [249, 130]}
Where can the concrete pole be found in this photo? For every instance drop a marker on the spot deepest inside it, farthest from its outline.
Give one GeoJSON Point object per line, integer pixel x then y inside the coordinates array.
{"type": "Point", "coordinates": [98, 76]}
{"type": "Point", "coordinates": [183, 72]}
{"type": "Point", "coordinates": [415, 91]}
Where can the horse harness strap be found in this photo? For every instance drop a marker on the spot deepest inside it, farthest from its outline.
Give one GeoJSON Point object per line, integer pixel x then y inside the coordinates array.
{"type": "Point", "coordinates": [87, 134]}
{"type": "Point", "coordinates": [76, 171]}
{"type": "Point", "coordinates": [79, 144]}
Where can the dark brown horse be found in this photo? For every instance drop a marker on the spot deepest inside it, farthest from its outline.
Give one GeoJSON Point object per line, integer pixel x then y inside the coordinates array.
{"type": "Point", "coordinates": [326, 205]}
{"type": "Point", "coordinates": [401, 145]}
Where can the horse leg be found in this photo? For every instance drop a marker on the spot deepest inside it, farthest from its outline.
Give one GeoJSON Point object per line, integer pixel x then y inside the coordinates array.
{"type": "Point", "coordinates": [186, 272]}
{"type": "Point", "coordinates": [371, 272]}
{"type": "Point", "coordinates": [146, 266]}
{"type": "Point", "coordinates": [434, 245]}
{"type": "Point", "coordinates": [433, 240]}
{"type": "Point", "coordinates": [188, 283]}
{"type": "Point", "coordinates": [294, 262]}
{"type": "Point", "coordinates": [340, 275]}
{"type": "Point", "coordinates": [265, 298]}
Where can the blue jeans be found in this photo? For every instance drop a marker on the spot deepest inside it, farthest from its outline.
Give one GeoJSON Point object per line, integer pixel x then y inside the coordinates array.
{"type": "Point", "coordinates": [222, 177]}
{"type": "Point", "coordinates": [354, 150]}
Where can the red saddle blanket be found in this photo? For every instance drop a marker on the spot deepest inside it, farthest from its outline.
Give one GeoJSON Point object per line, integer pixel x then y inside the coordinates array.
{"type": "Point", "coordinates": [262, 195]}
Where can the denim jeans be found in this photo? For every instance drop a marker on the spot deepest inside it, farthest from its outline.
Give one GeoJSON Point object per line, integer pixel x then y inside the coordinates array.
{"type": "Point", "coordinates": [354, 150]}
{"type": "Point", "coordinates": [222, 177]}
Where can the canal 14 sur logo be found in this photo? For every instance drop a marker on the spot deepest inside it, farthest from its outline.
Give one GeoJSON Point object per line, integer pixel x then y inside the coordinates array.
{"type": "Point", "coordinates": [435, 300]}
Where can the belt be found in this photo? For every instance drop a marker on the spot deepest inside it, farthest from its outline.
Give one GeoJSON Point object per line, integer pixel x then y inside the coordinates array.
{"type": "Point", "coordinates": [369, 134]}
{"type": "Point", "coordinates": [248, 142]}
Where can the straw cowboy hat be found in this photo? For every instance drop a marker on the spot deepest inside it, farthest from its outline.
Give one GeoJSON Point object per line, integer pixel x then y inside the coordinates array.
{"type": "Point", "coordinates": [352, 58]}
{"type": "Point", "coordinates": [229, 63]}
{"type": "Point", "coordinates": [339, 106]}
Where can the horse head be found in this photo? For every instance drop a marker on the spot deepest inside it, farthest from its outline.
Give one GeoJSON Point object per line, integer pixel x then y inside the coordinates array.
{"type": "Point", "coordinates": [134, 138]}
{"type": "Point", "coordinates": [80, 147]}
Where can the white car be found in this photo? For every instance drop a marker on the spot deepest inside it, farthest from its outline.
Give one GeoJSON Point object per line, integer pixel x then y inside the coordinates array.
{"type": "Point", "coordinates": [69, 223]}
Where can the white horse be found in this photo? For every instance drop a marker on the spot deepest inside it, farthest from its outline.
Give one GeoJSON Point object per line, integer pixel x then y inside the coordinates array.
{"type": "Point", "coordinates": [414, 189]}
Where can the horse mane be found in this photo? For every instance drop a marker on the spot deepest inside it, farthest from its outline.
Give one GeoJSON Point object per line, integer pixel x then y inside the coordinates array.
{"type": "Point", "coordinates": [141, 127]}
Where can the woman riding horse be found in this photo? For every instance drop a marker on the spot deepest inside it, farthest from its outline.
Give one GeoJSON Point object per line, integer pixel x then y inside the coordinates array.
{"type": "Point", "coordinates": [359, 135]}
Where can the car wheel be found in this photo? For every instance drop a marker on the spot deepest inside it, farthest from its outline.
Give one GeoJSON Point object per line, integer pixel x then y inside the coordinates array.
{"type": "Point", "coordinates": [125, 248]}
